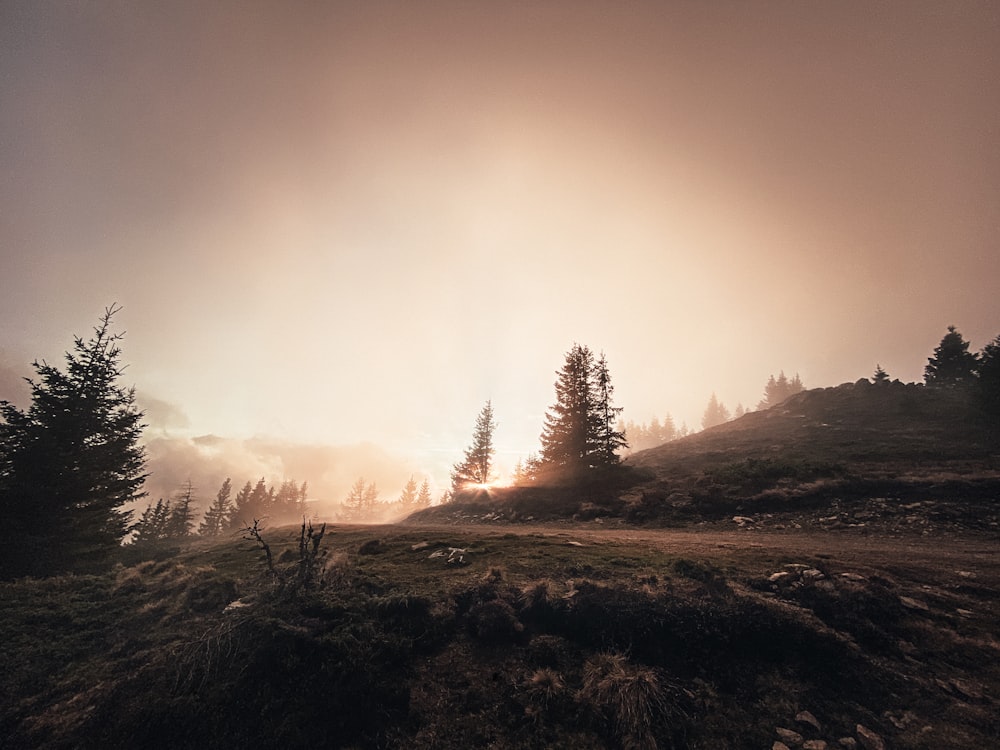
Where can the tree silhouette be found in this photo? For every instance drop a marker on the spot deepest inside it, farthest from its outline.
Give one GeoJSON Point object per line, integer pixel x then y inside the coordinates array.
{"type": "Point", "coordinates": [477, 465]}
{"type": "Point", "coordinates": [880, 376]}
{"type": "Point", "coordinates": [72, 462]}
{"type": "Point", "coordinates": [182, 513]}
{"type": "Point", "coordinates": [408, 497]}
{"type": "Point", "coordinates": [715, 413]}
{"type": "Point", "coordinates": [777, 390]}
{"type": "Point", "coordinates": [217, 515]}
{"type": "Point", "coordinates": [988, 387]}
{"type": "Point", "coordinates": [424, 496]}
{"type": "Point", "coordinates": [578, 432]}
{"type": "Point", "coordinates": [952, 365]}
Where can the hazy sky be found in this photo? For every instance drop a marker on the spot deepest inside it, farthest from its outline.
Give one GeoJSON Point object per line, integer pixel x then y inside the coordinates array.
{"type": "Point", "coordinates": [340, 223]}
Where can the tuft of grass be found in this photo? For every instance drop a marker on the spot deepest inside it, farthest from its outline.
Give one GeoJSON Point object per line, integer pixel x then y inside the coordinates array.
{"type": "Point", "coordinates": [628, 697]}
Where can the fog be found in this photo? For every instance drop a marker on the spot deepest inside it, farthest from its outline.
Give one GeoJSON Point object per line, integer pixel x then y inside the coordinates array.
{"type": "Point", "coordinates": [338, 229]}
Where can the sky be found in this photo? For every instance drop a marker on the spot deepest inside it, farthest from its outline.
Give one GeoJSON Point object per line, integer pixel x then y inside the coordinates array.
{"type": "Point", "coordinates": [338, 229]}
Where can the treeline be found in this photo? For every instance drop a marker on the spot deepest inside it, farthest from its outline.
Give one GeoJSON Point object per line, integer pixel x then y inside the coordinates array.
{"type": "Point", "coordinates": [362, 502]}
{"type": "Point", "coordinates": [644, 435]}
{"type": "Point", "coordinates": [175, 520]}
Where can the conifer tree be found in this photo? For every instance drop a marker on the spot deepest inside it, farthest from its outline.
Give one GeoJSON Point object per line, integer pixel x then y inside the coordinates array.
{"type": "Point", "coordinates": [609, 440]}
{"type": "Point", "coordinates": [71, 463]}
{"type": "Point", "coordinates": [424, 496]}
{"type": "Point", "coordinates": [880, 376]}
{"type": "Point", "coordinates": [217, 515]}
{"type": "Point", "coordinates": [241, 515]}
{"type": "Point", "coordinates": [777, 390]}
{"type": "Point", "coordinates": [953, 365]}
{"type": "Point", "coordinates": [477, 465]}
{"type": "Point", "coordinates": [153, 525]}
{"type": "Point", "coordinates": [715, 413]}
{"type": "Point", "coordinates": [578, 433]}
{"type": "Point", "coordinates": [988, 385]}
{"type": "Point", "coordinates": [182, 514]}
{"type": "Point", "coordinates": [408, 497]}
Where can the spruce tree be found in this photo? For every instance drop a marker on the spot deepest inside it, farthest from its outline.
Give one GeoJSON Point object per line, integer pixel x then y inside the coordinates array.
{"type": "Point", "coordinates": [578, 434]}
{"type": "Point", "coordinates": [71, 463]}
{"type": "Point", "coordinates": [953, 365]}
{"type": "Point", "coordinates": [608, 439]}
{"type": "Point", "coordinates": [408, 497]}
{"type": "Point", "coordinates": [424, 496]}
{"type": "Point", "coordinates": [988, 385]}
{"type": "Point", "coordinates": [476, 468]}
{"type": "Point", "coordinates": [216, 517]}
{"type": "Point", "coordinates": [182, 515]}
{"type": "Point", "coordinates": [715, 413]}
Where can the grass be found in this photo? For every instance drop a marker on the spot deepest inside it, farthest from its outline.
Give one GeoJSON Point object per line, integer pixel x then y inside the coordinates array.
{"type": "Point", "coordinates": [557, 637]}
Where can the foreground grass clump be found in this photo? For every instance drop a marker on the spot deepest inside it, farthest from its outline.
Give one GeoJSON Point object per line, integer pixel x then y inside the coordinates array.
{"type": "Point", "coordinates": [533, 640]}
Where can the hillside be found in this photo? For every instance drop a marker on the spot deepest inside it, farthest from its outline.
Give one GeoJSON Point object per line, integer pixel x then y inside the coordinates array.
{"type": "Point", "coordinates": [892, 456]}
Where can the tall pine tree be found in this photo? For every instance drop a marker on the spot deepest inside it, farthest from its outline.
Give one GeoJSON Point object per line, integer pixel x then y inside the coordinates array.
{"type": "Point", "coordinates": [72, 463]}
{"type": "Point", "coordinates": [579, 432]}
{"type": "Point", "coordinates": [476, 468]}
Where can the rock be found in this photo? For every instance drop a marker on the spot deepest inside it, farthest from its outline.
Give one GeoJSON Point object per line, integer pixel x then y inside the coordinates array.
{"type": "Point", "coordinates": [780, 575]}
{"type": "Point", "coordinates": [789, 736]}
{"type": "Point", "coordinates": [779, 746]}
{"type": "Point", "coordinates": [849, 743]}
{"type": "Point", "coordinates": [910, 603]}
{"type": "Point", "coordinates": [806, 717]}
{"type": "Point", "coordinates": [967, 689]}
{"type": "Point", "coordinates": [813, 574]}
{"type": "Point", "coordinates": [964, 612]}
{"type": "Point", "coordinates": [814, 745]}
{"type": "Point", "coordinates": [966, 574]}
{"type": "Point", "coordinates": [419, 546]}
{"type": "Point", "coordinates": [853, 577]}
{"type": "Point", "coordinates": [742, 521]}
{"type": "Point", "coordinates": [869, 740]}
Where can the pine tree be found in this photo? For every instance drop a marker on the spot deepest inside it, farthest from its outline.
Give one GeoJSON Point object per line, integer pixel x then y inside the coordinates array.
{"type": "Point", "coordinates": [217, 515]}
{"type": "Point", "coordinates": [424, 496]}
{"type": "Point", "coordinates": [354, 503]}
{"type": "Point", "coordinates": [609, 440]}
{"type": "Point", "coordinates": [715, 413]}
{"type": "Point", "coordinates": [408, 497]}
{"type": "Point", "coordinates": [476, 468]}
{"type": "Point", "coordinates": [181, 523]}
{"type": "Point", "coordinates": [71, 463]}
{"type": "Point", "coordinates": [988, 385]}
{"type": "Point", "coordinates": [578, 433]}
{"type": "Point", "coordinates": [153, 525]}
{"type": "Point", "coordinates": [778, 390]}
{"type": "Point", "coordinates": [880, 376]}
{"type": "Point", "coordinates": [953, 365]}
{"type": "Point", "coordinates": [370, 498]}
{"type": "Point", "coordinates": [241, 515]}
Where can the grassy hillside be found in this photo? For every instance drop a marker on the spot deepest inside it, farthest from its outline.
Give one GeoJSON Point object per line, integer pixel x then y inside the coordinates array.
{"type": "Point", "coordinates": [891, 456]}
{"type": "Point", "coordinates": [535, 639]}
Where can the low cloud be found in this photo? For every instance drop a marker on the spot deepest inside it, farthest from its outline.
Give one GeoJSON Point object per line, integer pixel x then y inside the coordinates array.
{"type": "Point", "coordinates": [159, 415]}
{"type": "Point", "coordinates": [330, 470]}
